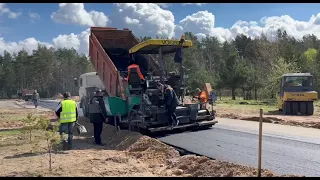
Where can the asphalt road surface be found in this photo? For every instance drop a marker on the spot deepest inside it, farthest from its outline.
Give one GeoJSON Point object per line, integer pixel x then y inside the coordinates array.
{"type": "Point", "coordinates": [286, 149]}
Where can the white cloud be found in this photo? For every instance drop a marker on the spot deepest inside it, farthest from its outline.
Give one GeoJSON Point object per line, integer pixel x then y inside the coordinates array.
{"type": "Point", "coordinates": [34, 16]}
{"type": "Point", "coordinates": [164, 5]}
{"type": "Point", "coordinates": [196, 4]}
{"type": "Point", "coordinates": [8, 12]}
{"type": "Point", "coordinates": [150, 20]}
{"type": "Point", "coordinates": [144, 19]}
{"type": "Point", "coordinates": [74, 13]}
{"type": "Point", "coordinates": [28, 44]}
{"type": "Point", "coordinates": [79, 42]}
{"type": "Point", "coordinates": [203, 22]}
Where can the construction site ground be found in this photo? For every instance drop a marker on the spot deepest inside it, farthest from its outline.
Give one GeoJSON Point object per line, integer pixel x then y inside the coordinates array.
{"type": "Point", "coordinates": [125, 153]}
{"type": "Point", "coordinates": [250, 110]}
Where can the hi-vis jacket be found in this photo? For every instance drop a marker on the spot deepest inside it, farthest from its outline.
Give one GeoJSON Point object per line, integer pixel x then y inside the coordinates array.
{"type": "Point", "coordinates": [203, 97]}
{"type": "Point", "coordinates": [67, 111]}
{"type": "Point", "coordinates": [138, 69]}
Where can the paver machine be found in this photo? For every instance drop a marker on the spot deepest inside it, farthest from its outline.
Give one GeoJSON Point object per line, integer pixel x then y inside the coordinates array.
{"type": "Point", "coordinates": [143, 108]}
{"type": "Point", "coordinates": [297, 94]}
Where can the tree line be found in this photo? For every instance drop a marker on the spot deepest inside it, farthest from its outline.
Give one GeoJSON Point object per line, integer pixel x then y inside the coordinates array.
{"type": "Point", "coordinates": [246, 67]}
{"type": "Point", "coordinates": [48, 70]}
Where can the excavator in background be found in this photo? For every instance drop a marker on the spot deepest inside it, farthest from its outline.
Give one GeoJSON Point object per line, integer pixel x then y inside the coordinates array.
{"type": "Point", "coordinates": [127, 102]}
{"type": "Point", "coordinates": [297, 94]}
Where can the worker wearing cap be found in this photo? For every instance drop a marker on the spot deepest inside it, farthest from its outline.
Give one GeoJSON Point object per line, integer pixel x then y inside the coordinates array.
{"type": "Point", "coordinates": [97, 119]}
{"type": "Point", "coordinates": [202, 97]}
{"type": "Point", "coordinates": [171, 102]}
{"type": "Point", "coordinates": [67, 111]}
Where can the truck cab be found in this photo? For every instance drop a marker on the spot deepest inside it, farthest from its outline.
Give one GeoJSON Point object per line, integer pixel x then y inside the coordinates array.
{"type": "Point", "coordinates": [88, 84]}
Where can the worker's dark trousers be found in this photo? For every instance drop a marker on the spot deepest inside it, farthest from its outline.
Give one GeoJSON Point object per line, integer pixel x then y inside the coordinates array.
{"type": "Point", "coordinates": [172, 115]}
{"type": "Point", "coordinates": [97, 130]}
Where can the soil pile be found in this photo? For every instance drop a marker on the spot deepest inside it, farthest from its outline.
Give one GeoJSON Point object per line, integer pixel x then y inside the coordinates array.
{"type": "Point", "coordinates": [274, 120]}
{"type": "Point", "coordinates": [114, 139]}
{"type": "Point", "coordinates": [200, 166]}
{"type": "Point", "coordinates": [152, 151]}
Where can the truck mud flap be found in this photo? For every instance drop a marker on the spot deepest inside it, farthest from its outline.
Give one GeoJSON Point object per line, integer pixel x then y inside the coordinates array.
{"type": "Point", "coordinates": [197, 124]}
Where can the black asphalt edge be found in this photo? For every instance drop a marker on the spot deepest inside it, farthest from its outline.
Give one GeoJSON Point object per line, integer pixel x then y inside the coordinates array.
{"type": "Point", "coordinates": [184, 152]}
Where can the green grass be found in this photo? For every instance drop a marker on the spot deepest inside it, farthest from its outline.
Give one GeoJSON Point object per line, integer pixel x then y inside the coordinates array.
{"type": "Point", "coordinates": [227, 102]}
{"type": "Point", "coordinates": [249, 107]}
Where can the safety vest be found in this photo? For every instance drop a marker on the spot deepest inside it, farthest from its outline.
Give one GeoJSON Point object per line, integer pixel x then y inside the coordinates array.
{"type": "Point", "coordinates": [138, 69]}
{"type": "Point", "coordinates": [203, 97]}
{"type": "Point", "coordinates": [68, 113]}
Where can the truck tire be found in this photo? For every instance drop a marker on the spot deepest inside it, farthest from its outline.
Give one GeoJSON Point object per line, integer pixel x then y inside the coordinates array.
{"type": "Point", "coordinates": [310, 108]}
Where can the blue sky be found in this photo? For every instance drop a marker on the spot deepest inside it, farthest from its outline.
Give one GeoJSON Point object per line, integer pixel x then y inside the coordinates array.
{"type": "Point", "coordinates": [224, 15]}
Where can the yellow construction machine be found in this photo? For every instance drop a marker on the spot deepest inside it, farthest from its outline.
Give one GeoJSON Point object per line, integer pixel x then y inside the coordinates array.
{"type": "Point", "coordinates": [297, 94]}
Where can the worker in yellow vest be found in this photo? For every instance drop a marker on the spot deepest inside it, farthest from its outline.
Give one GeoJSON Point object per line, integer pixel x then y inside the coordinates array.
{"type": "Point", "coordinates": [67, 111]}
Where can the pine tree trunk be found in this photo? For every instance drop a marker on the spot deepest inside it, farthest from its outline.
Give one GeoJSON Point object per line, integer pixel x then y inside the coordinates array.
{"type": "Point", "coordinates": [233, 93]}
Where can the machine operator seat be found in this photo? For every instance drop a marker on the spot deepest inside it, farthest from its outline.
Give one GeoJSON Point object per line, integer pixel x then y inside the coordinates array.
{"type": "Point", "coordinates": [136, 85]}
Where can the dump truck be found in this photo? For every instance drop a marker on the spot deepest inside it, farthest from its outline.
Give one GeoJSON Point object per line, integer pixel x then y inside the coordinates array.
{"type": "Point", "coordinates": [25, 94]}
{"type": "Point", "coordinates": [89, 83]}
{"type": "Point", "coordinates": [128, 104]}
{"type": "Point", "coordinates": [297, 94]}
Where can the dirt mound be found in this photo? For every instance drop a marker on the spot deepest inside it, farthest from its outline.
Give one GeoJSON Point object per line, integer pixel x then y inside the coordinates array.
{"type": "Point", "coordinates": [152, 150]}
{"type": "Point", "coordinates": [116, 140]}
{"type": "Point", "coordinates": [200, 166]}
{"type": "Point", "coordinates": [264, 119]}
{"type": "Point", "coordinates": [230, 115]}
{"type": "Point", "coordinates": [274, 120]}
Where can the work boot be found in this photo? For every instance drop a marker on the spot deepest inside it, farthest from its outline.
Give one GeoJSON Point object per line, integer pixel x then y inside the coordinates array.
{"type": "Point", "coordinates": [64, 145]}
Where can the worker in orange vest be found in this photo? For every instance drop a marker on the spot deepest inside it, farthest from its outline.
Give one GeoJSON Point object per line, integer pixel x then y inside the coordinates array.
{"type": "Point", "coordinates": [132, 66]}
{"type": "Point", "coordinates": [202, 97]}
